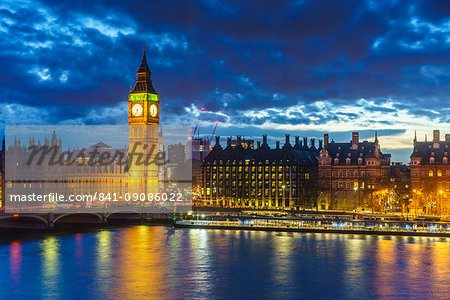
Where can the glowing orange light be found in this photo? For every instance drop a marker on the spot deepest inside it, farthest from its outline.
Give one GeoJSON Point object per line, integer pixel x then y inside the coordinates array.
{"type": "Point", "coordinates": [15, 215]}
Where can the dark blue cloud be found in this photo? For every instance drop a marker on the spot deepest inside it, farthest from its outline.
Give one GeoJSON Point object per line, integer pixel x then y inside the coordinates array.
{"type": "Point", "coordinates": [73, 61]}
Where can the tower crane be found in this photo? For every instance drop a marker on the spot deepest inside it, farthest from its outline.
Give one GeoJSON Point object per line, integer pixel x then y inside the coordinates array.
{"type": "Point", "coordinates": [214, 131]}
{"type": "Point", "coordinates": [198, 120]}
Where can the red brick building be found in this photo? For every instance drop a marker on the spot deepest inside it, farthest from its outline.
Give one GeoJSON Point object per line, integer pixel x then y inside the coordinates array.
{"type": "Point", "coordinates": [430, 176]}
{"type": "Point", "coordinates": [352, 174]}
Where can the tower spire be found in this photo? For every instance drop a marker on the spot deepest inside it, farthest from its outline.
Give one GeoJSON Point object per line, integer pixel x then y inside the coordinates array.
{"type": "Point", "coordinates": [144, 78]}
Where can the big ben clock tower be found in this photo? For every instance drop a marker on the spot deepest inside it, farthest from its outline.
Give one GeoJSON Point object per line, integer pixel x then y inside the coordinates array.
{"type": "Point", "coordinates": [143, 121]}
{"type": "Point", "coordinates": [143, 101]}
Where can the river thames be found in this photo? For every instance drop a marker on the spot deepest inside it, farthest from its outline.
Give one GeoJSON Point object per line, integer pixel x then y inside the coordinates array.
{"type": "Point", "coordinates": [157, 262]}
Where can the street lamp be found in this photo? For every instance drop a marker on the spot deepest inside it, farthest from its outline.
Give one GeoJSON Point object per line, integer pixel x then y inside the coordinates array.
{"type": "Point", "coordinates": [284, 196]}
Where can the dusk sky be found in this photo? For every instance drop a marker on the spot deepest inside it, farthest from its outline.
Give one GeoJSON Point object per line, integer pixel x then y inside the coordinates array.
{"type": "Point", "coordinates": [259, 67]}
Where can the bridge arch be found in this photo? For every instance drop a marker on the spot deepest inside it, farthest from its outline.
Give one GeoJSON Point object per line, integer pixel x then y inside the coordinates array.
{"type": "Point", "coordinates": [124, 212]}
{"type": "Point", "coordinates": [80, 216]}
{"type": "Point", "coordinates": [20, 221]}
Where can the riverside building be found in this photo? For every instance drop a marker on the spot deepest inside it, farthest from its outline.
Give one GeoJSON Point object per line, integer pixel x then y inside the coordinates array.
{"type": "Point", "coordinates": [352, 175]}
{"type": "Point", "coordinates": [282, 177]}
{"type": "Point", "coordinates": [430, 175]}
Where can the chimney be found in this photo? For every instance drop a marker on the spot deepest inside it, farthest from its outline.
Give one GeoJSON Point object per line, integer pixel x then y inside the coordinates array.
{"type": "Point", "coordinates": [447, 137]}
{"type": "Point", "coordinates": [229, 142]}
{"type": "Point", "coordinates": [265, 139]}
{"type": "Point", "coordinates": [325, 140]}
{"type": "Point", "coordinates": [217, 140]}
{"type": "Point", "coordinates": [278, 144]}
{"type": "Point", "coordinates": [258, 144]}
{"type": "Point", "coordinates": [436, 136]}
{"type": "Point", "coordinates": [313, 143]}
{"type": "Point", "coordinates": [238, 141]}
{"type": "Point", "coordinates": [355, 140]}
{"type": "Point", "coordinates": [297, 140]}
{"type": "Point", "coordinates": [305, 142]}
{"type": "Point", "coordinates": [287, 138]}
{"type": "Point", "coordinates": [320, 145]}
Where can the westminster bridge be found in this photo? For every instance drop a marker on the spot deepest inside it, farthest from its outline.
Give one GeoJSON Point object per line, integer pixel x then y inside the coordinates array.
{"type": "Point", "coordinates": [48, 221]}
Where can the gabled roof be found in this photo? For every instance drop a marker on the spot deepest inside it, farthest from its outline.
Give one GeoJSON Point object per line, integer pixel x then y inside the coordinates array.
{"type": "Point", "coordinates": [288, 155]}
{"type": "Point", "coordinates": [425, 151]}
{"type": "Point", "coordinates": [342, 151]}
{"type": "Point", "coordinates": [100, 145]}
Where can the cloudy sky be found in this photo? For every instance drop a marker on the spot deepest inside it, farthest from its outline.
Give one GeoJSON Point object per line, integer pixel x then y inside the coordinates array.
{"type": "Point", "coordinates": [275, 67]}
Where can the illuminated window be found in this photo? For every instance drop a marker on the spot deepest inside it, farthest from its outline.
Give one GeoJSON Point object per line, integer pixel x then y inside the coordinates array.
{"type": "Point", "coordinates": [431, 173]}
{"type": "Point", "coordinates": [439, 173]}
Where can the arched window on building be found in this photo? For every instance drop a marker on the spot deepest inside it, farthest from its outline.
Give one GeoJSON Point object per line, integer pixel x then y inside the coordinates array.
{"type": "Point", "coordinates": [431, 173]}
{"type": "Point", "coordinates": [439, 173]}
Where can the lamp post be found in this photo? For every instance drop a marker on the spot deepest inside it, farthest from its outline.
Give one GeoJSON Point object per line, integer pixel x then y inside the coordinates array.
{"type": "Point", "coordinates": [356, 194]}
{"type": "Point", "coordinates": [284, 196]}
{"type": "Point", "coordinates": [415, 201]}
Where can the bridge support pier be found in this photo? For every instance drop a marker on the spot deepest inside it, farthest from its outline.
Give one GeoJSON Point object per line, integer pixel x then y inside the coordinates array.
{"type": "Point", "coordinates": [50, 220]}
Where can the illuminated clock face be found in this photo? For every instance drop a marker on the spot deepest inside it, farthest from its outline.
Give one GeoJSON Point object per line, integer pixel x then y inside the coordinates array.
{"type": "Point", "coordinates": [137, 110]}
{"type": "Point", "coordinates": [153, 110]}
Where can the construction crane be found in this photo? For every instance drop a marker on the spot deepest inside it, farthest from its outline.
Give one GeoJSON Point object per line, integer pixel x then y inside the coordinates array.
{"type": "Point", "coordinates": [214, 131]}
{"type": "Point", "coordinates": [198, 120]}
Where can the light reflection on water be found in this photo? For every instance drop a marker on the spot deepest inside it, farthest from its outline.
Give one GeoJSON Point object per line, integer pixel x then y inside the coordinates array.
{"type": "Point", "coordinates": [159, 262]}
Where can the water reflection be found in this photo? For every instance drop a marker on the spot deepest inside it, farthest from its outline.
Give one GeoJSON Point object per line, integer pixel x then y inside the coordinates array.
{"type": "Point", "coordinates": [15, 263]}
{"type": "Point", "coordinates": [50, 267]}
{"type": "Point", "coordinates": [104, 263]}
{"type": "Point", "coordinates": [162, 263]}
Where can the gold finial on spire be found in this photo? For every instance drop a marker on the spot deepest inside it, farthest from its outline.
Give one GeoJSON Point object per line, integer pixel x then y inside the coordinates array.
{"type": "Point", "coordinates": [144, 48]}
